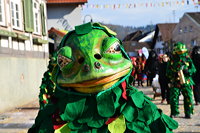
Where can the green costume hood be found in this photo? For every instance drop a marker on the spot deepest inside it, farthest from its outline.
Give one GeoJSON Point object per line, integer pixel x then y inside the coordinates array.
{"type": "Point", "coordinates": [179, 48]}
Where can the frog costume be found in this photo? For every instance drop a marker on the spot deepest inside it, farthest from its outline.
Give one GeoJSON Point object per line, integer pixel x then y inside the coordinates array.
{"type": "Point", "coordinates": [180, 70]}
{"type": "Point", "coordinates": [47, 86]}
{"type": "Point", "coordinates": [93, 92]}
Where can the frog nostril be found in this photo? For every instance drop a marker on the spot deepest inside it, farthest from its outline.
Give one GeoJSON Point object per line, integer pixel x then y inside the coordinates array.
{"type": "Point", "coordinates": [81, 60]}
{"type": "Point", "coordinates": [98, 56]}
{"type": "Point", "coordinates": [97, 65]}
{"type": "Point", "coordinates": [86, 68]}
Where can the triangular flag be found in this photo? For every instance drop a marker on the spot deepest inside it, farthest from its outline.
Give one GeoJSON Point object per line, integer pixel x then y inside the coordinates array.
{"type": "Point", "coordinates": [188, 2]}
{"type": "Point", "coordinates": [183, 2]}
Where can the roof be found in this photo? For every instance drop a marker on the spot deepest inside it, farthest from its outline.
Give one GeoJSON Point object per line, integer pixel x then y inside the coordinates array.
{"type": "Point", "coordinates": [132, 36]}
{"type": "Point", "coordinates": [143, 35]}
{"type": "Point", "coordinates": [148, 37]}
{"type": "Point", "coordinates": [136, 36]}
{"type": "Point", "coordinates": [166, 30]}
{"type": "Point", "coordinates": [133, 46]}
{"type": "Point", "coordinates": [195, 16]}
{"type": "Point", "coordinates": [65, 1]}
{"type": "Point", "coordinates": [60, 33]}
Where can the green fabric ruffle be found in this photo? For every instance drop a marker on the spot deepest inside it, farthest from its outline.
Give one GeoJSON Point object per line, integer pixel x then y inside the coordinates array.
{"type": "Point", "coordinates": [88, 114]}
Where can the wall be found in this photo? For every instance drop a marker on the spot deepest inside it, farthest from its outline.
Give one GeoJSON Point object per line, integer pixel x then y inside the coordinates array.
{"type": "Point", "coordinates": [20, 80]}
{"type": "Point", "coordinates": [187, 36]}
{"type": "Point", "coordinates": [63, 17]}
{"type": "Point", "coordinates": [159, 44]}
{"type": "Point", "coordinates": [23, 55]}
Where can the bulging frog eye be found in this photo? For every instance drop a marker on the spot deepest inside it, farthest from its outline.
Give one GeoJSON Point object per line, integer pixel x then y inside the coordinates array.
{"type": "Point", "coordinates": [114, 48]}
{"type": "Point", "coordinates": [63, 61]}
{"type": "Point", "coordinates": [64, 57]}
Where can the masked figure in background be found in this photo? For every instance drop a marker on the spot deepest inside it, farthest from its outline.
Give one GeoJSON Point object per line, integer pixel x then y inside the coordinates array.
{"type": "Point", "coordinates": [180, 70]}
{"type": "Point", "coordinates": [140, 63]}
{"type": "Point", "coordinates": [133, 73]}
{"type": "Point", "coordinates": [151, 67]}
{"type": "Point", "coordinates": [196, 60]}
{"type": "Point", "coordinates": [93, 91]}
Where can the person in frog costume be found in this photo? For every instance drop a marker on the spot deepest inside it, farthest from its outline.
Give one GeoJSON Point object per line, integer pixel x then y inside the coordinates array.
{"type": "Point", "coordinates": [93, 91]}
{"type": "Point", "coordinates": [180, 70]}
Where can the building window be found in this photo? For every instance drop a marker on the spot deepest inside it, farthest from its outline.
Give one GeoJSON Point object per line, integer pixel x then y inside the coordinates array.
{"type": "Point", "coordinates": [159, 39]}
{"type": "Point", "coordinates": [180, 30]}
{"type": "Point", "coordinates": [133, 44]}
{"type": "Point", "coordinates": [191, 28]}
{"type": "Point", "coordinates": [16, 14]}
{"type": "Point", "coordinates": [193, 42]}
{"type": "Point", "coordinates": [36, 14]}
{"type": "Point", "coordinates": [185, 29]}
{"type": "Point", "coordinates": [2, 13]}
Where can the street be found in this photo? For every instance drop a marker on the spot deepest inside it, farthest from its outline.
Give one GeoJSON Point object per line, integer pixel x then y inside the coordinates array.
{"type": "Point", "coordinates": [22, 118]}
{"type": "Point", "coordinates": [185, 125]}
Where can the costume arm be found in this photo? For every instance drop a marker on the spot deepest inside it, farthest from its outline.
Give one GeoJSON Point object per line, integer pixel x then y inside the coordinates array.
{"type": "Point", "coordinates": [191, 68]}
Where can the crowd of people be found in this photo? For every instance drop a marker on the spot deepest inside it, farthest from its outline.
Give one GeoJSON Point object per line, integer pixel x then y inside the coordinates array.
{"type": "Point", "coordinates": [178, 73]}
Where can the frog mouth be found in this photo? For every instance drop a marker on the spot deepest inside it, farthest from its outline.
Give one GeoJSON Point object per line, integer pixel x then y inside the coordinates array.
{"type": "Point", "coordinates": [97, 85]}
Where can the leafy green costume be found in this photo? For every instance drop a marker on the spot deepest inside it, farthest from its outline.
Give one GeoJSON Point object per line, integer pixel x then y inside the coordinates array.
{"type": "Point", "coordinates": [93, 92]}
{"type": "Point", "coordinates": [47, 86]}
{"type": "Point", "coordinates": [181, 61]}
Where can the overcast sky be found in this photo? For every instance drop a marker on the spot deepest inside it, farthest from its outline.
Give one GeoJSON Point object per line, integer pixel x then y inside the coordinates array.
{"type": "Point", "coordinates": [137, 12]}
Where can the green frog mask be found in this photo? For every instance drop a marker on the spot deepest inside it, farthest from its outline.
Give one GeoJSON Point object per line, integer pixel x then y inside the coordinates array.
{"type": "Point", "coordinates": [90, 59]}
{"type": "Point", "coordinates": [179, 48]}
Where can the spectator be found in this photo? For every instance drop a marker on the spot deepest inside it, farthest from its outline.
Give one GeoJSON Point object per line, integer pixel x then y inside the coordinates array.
{"type": "Point", "coordinates": [163, 80]}
{"type": "Point", "coordinates": [139, 70]}
{"type": "Point", "coordinates": [151, 67]}
{"type": "Point", "coordinates": [133, 73]}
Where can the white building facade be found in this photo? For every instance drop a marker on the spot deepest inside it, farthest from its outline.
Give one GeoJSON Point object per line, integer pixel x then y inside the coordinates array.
{"type": "Point", "coordinates": [63, 15]}
{"type": "Point", "coordinates": [23, 50]}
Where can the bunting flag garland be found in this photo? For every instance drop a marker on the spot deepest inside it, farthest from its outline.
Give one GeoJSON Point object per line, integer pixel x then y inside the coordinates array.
{"type": "Point", "coordinates": [188, 2]}
{"type": "Point", "coordinates": [139, 4]}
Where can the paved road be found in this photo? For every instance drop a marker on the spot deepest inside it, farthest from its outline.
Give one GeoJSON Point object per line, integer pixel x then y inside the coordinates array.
{"type": "Point", "coordinates": [185, 125]}
{"type": "Point", "coordinates": [20, 119]}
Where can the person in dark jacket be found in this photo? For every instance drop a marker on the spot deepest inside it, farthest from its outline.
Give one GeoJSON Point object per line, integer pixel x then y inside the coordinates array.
{"type": "Point", "coordinates": [151, 67]}
{"type": "Point", "coordinates": [196, 78]}
{"type": "Point", "coordinates": [163, 80]}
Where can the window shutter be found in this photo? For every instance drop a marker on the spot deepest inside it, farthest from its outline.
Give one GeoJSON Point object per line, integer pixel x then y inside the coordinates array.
{"type": "Point", "coordinates": [43, 21]}
{"type": "Point", "coordinates": [28, 15]}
